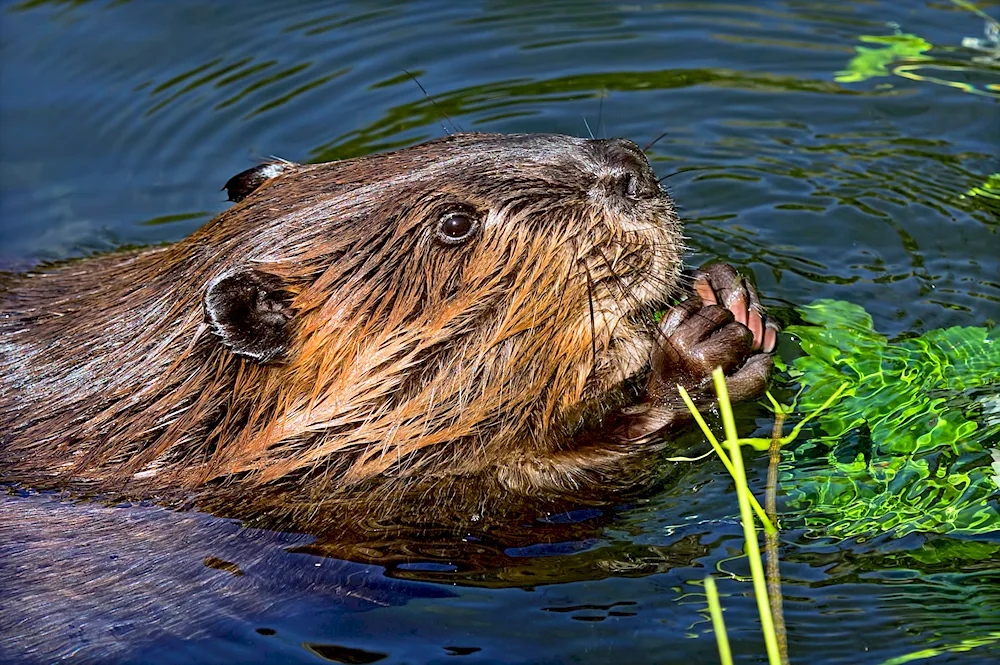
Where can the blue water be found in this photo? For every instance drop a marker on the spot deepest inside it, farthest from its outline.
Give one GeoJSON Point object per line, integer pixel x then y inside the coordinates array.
{"type": "Point", "coordinates": [120, 121]}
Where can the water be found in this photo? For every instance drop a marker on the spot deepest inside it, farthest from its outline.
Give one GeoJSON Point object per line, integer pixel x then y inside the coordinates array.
{"type": "Point", "coordinates": [120, 121]}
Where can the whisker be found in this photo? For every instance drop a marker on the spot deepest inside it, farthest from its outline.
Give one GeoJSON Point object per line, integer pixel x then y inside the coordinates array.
{"type": "Point", "coordinates": [656, 279]}
{"type": "Point", "coordinates": [627, 293]}
{"type": "Point", "coordinates": [655, 141]}
{"type": "Point", "coordinates": [593, 325]}
{"type": "Point", "coordinates": [580, 262]}
{"type": "Point", "coordinates": [600, 113]}
{"type": "Point", "coordinates": [671, 175]}
{"type": "Point", "coordinates": [659, 336]}
{"type": "Point", "coordinates": [684, 278]}
{"type": "Point", "coordinates": [454, 125]}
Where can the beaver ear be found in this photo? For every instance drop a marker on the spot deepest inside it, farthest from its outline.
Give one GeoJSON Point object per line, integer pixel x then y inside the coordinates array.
{"type": "Point", "coordinates": [249, 311]}
{"type": "Point", "coordinates": [244, 183]}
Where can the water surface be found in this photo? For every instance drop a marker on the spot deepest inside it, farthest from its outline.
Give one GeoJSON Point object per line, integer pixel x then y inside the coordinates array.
{"type": "Point", "coordinates": [120, 121]}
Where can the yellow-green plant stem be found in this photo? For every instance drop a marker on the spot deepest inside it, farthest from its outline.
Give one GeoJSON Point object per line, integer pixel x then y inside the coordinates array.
{"type": "Point", "coordinates": [759, 444]}
{"type": "Point", "coordinates": [751, 546]}
{"type": "Point", "coordinates": [776, 650]}
{"type": "Point", "coordinates": [757, 508]}
{"type": "Point", "coordinates": [718, 624]}
{"type": "Point", "coordinates": [765, 444]}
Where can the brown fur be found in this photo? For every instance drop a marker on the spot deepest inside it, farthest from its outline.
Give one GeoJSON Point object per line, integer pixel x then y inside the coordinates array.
{"type": "Point", "coordinates": [412, 366]}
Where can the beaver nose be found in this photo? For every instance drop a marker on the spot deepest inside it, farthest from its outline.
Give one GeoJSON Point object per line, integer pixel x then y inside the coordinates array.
{"type": "Point", "coordinates": [624, 171]}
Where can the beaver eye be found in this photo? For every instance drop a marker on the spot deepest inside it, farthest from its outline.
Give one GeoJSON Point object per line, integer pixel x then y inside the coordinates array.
{"type": "Point", "coordinates": [456, 227]}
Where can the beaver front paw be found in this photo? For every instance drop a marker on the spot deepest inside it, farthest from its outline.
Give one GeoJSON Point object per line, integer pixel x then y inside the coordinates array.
{"type": "Point", "coordinates": [722, 324]}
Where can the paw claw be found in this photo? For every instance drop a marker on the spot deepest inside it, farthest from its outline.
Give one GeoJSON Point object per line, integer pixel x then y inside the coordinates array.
{"type": "Point", "coordinates": [738, 302]}
{"type": "Point", "coordinates": [770, 337]}
{"type": "Point", "coordinates": [703, 287]}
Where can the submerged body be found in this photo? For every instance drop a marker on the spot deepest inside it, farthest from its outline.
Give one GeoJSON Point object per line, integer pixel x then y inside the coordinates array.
{"type": "Point", "coordinates": [460, 321]}
{"type": "Point", "coordinates": [86, 583]}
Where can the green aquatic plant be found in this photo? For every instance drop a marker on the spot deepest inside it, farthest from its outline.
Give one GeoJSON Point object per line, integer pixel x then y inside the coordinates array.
{"type": "Point", "coordinates": [907, 447]}
{"type": "Point", "coordinates": [873, 62]}
{"type": "Point", "coordinates": [734, 464]}
{"type": "Point", "coordinates": [964, 645]}
{"type": "Point", "coordinates": [912, 429]}
{"type": "Point", "coordinates": [905, 55]}
{"type": "Point", "coordinates": [984, 197]}
{"type": "Point", "coordinates": [989, 189]}
{"type": "Point", "coordinates": [718, 623]}
{"type": "Point", "coordinates": [910, 436]}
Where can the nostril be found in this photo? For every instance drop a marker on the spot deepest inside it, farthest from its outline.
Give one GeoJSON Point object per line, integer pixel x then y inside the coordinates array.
{"type": "Point", "coordinates": [633, 183]}
{"type": "Point", "coordinates": [625, 169]}
{"type": "Point", "coordinates": [630, 186]}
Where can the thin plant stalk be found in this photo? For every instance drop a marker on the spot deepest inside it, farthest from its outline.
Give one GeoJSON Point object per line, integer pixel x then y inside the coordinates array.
{"type": "Point", "coordinates": [746, 515]}
{"type": "Point", "coordinates": [771, 537]}
{"type": "Point", "coordinates": [718, 623]}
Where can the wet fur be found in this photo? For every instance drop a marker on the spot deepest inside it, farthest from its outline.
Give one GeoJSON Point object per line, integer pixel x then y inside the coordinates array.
{"type": "Point", "coordinates": [411, 367]}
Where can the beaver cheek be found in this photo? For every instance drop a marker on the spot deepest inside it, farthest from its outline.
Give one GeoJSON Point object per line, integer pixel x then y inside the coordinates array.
{"type": "Point", "coordinates": [249, 312]}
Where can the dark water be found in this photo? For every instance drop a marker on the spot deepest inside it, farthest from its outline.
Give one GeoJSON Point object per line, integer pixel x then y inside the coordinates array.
{"type": "Point", "coordinates": [119, 121]}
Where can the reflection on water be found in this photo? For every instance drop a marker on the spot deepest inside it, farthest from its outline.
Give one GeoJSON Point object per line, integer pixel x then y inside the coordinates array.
{"type": "Point", "coordinates": [120, 121]}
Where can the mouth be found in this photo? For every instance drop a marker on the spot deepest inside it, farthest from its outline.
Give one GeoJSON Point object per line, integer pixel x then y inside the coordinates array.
{"type": "Point", "coordinates": [628, 311]}
{"type": "Point", "coordinates": [629, 331]}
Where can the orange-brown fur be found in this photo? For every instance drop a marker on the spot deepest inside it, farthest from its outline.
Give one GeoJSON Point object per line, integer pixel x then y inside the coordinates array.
{"type": "Point", "coordinates": [411, 365]}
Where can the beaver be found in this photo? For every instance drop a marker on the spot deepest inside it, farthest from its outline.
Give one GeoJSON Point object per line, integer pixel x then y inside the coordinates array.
{"type": "Point", "coordinates": [458, 323]}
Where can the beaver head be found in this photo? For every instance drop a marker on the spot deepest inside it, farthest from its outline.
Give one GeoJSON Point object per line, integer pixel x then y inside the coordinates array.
{"type": "Point", "coordinates": [460, 308]}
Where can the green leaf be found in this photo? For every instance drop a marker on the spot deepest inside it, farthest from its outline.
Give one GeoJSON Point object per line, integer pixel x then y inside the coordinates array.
{"type": "Point", "coordinates": [907, 446]}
